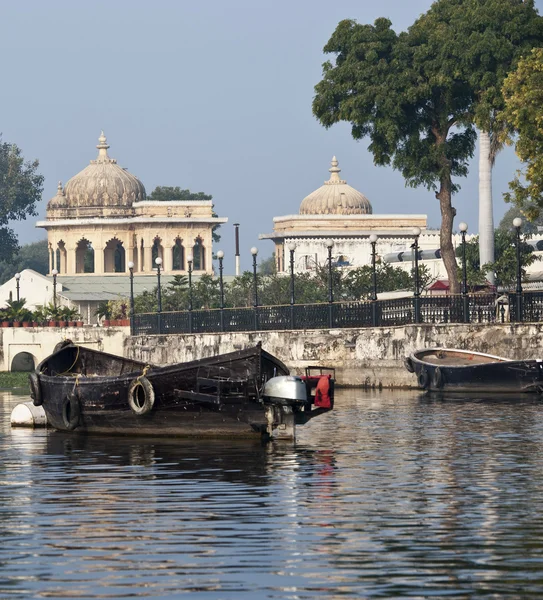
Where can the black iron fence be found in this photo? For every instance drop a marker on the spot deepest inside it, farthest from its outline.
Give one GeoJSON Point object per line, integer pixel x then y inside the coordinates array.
{"type": "Point", "coordinates": [475, 308]}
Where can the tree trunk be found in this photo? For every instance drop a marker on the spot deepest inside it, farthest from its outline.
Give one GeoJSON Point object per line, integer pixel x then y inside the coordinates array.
{"type": "Point", "coordinates": [447, 217]}
{"type": "Point", "coordinates": [486, 216]}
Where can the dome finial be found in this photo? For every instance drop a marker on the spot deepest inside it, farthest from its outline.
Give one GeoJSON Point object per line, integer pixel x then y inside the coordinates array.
{"type": "Point", "coordinates": [334, 172]}
{"type": "Point", "coordinates": [60, 191]}
{"type": "Point", "coordinates": [102, 147]}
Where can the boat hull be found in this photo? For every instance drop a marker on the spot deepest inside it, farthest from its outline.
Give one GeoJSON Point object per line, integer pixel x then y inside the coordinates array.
{"type": "Point", "coordinates": [493, 374]}
{"type": "Point", "coordinates": [218, 396]}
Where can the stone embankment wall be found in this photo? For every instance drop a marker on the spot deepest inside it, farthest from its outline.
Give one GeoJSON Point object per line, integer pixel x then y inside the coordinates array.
{"type": "Point", "coordinates": [370, 357]}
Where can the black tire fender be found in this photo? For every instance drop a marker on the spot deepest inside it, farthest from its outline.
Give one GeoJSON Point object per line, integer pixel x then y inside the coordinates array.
{"type": "Point", "coordinates": [408, 364]}
{"type": "Point", "coordinates": [423, 379]}
{"type": "Point", "coordinates": [71, 412]}
{"type": "Point", "coordinates": [141, 396]}
{"type": "Point", "coordinates": [438, 378]}
{"type": "Point", "coordinates": [35, 389]}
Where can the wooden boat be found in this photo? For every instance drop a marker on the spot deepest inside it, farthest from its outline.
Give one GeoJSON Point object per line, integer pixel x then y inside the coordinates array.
{"type": "Point", "coordinates": [242, 393]}
{"type": "Point", "coordinates": [451, 370]}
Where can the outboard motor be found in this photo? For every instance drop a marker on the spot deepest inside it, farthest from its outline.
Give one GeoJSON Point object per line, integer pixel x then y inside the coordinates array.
{"type": "Point", "coordinates": [287, 390]}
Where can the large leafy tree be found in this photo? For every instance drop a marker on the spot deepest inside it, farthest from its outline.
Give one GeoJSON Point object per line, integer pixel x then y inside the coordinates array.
{"type": "Point", "coordinates": [404, 93]}
{"type": "Point", "coordinates": [21, 187]}
{"type": "Point", "coordinates": [165, 193]}
{"type": "Point", "coordinates": [523, 113]}
{"type": "Point", "coordinates": [486, 38]}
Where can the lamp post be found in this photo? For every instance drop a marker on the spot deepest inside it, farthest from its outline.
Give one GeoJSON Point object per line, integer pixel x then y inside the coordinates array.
{"type": "Point", "coordinates": [373, 242]}
{"type": "Point", "coordinates": [54, 273]}
{"type": "Point", "coordinates": [236, 225]}
{"type": "Point", "coordinates": [131, 269]}
{"type": "Point", "coordinates": [517, 223]}
{"type": "Point", "coordinates": [416, 298]}
{"type": "Point", "coordinates": [291, 248]}
{"type": "Point", "coordinates": [190, 258]}
{"type": "Point", "coordinates": [158, 262]}
{"type": "Point", "coordinates": [465, 298]}
{"type": "Point", "coordinates": [220, 256]}
{"type": "Point", "coordinates": [330, 245]}
{"type": "Point", "coordinates": [254, 252]}
{"type": "Point", "coordinates": [17, 279]}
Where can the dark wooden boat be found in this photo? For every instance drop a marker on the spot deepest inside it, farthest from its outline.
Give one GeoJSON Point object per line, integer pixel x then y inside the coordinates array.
{"type": "Point", "coordinates": [225, 395]}
{"type": "Point", "coordinates": [451, 370]}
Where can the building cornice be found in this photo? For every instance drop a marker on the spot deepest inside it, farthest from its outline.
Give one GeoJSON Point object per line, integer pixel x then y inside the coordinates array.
{"type": "Point", "coordinates": [131, 221]}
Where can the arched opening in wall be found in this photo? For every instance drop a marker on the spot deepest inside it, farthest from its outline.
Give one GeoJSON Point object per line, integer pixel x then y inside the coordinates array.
{"type": "Point", "coordinates": [157, 251]}
{"type": "Point", "coordinates": [84, 257]}
{"type": "Point", "coordinates": [114, 257]}
{"type": "Point", "coordinates": [23, 361]}
{"type": "Point", "coordinates": [51, 258]}
{"type": "Point", "coordinates": [142, 255]}
{"type": "Point", "coordinates": [61, 258]}
{"type": "Point", "coordinates": [198, 254]}
{"type": "Point", "coordinates": [178, 256]}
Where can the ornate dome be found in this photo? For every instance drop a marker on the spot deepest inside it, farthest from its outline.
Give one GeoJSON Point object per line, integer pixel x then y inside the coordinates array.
{"type": "Point", "coordinates": [102, 185]}
{"type": "Point", "coordinates": [335, 197]}
{"type": "Point", "coordinates": [58, 201]}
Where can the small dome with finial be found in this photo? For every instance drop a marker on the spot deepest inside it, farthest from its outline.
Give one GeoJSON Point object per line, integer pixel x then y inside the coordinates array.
{"type": "Point", "coordinates": [59, 200]}
{"type": "Point", "coordinates": [335, 197]}
{"type": "Point", "coordinates": [103, 184]}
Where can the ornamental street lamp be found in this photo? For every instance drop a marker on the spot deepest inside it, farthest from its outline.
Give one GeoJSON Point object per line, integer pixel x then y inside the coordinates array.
{"type": "Point", "coordinates": [17, 278]}
{"type": "Point", "coordinates": [158, 262]}
{"type": "Point", "coordinates": [416, 299]}
{"type": "Point", "coordinates": [131, 269]}
{"type": "Point", "coordinates": [54, 273]}
{"type": "Point", "coordinates": [190, 258]}
{"type": "Point", "coordinates": [330, 245]}
{"type": "Point", "coordinates": [291, 248]}
{"type": "Point", "coordinates": [220, 256]}
{"type": "Point", "coordinates": [517, 223]}
{"type": "Point", "coordinates": [373, 242]}
{"type": "Point", "coordinates": [254, 252]}
{"type": "Point", "coordinates": [465, 298]}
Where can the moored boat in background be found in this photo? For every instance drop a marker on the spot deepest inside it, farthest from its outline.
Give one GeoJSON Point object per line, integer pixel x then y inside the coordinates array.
{"type": "Point", "coordinates": [242, 393]}
{"type": "Point", "coordinates": [453, 370]}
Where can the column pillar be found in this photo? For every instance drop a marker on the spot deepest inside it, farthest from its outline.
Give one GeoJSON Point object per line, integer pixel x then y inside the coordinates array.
{"type": "Point", "coordinates": [70, 260]}
{"type": "Point", "coordinates": [50, 252]}
{"type": "Point", "coordinates": [168, 259]}
{"type": "Point", "coordinates": [99, 260]}
{"type": "Point", "coordinates": [148, 250]}
{"type": "Point", "coordinates": [55, 266]}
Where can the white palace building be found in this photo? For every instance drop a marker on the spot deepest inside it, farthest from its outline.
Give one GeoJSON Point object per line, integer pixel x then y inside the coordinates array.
{"type": "Point", "coordinates": [338, 212]}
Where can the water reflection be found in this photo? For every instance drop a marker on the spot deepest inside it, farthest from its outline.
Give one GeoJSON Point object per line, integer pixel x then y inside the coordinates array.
{"type": "Point", "coordinates": [391, 495]}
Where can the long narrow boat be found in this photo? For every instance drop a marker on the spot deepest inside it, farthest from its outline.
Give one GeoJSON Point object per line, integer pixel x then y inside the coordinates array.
{"type": "Point", "coordinates": [451, 370]}
{"type": "Point", "coordinates": [242, 393]}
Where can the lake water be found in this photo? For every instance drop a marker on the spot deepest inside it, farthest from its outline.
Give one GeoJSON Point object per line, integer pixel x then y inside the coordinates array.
{"type": "Point", "coordinates": [393, 495]}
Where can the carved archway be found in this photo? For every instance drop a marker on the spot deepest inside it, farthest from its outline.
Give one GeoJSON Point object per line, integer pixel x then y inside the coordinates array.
{"type": "Point", "coordinates": [198, 255]}
{"type": "Point", "coordinates": [178, 256]}
{"type": "Point", "coordinates": [114, 257]}
{"type": "Point", "coordinates": [156, 251]}
{"type": "Point", "coordinates": [62, 258]}
{"type": "Point", "coordinates": [84, 257]}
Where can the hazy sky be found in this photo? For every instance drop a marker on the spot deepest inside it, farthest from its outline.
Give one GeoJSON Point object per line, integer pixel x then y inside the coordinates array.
{"type": "Point", "coordinates": [211, 95]}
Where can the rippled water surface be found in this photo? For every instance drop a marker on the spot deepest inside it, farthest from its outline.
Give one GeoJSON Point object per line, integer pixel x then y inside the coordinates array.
{"type": "Point", "coordinates": [392, 495]}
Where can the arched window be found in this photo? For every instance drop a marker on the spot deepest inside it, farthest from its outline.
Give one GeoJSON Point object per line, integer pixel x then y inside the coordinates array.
{"type": "Point", "coordinates": [157, 251]}
{"type": "Point", "coordinates": [142, 255]}
{"type": "Point", "coordinates": [61, 257]}
{"type": "Point", "coordinates": [84, 257]}
{"type": "Point", "coordinates": [114, 257]}
{"type": "Point", "coordinates": [198, 253]}
{"type": "Point", "coordinates": [178, 256]}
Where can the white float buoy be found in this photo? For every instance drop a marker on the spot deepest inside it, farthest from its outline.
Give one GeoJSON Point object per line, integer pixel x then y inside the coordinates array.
{"type": "Point", "coordinates": [28, 415]}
